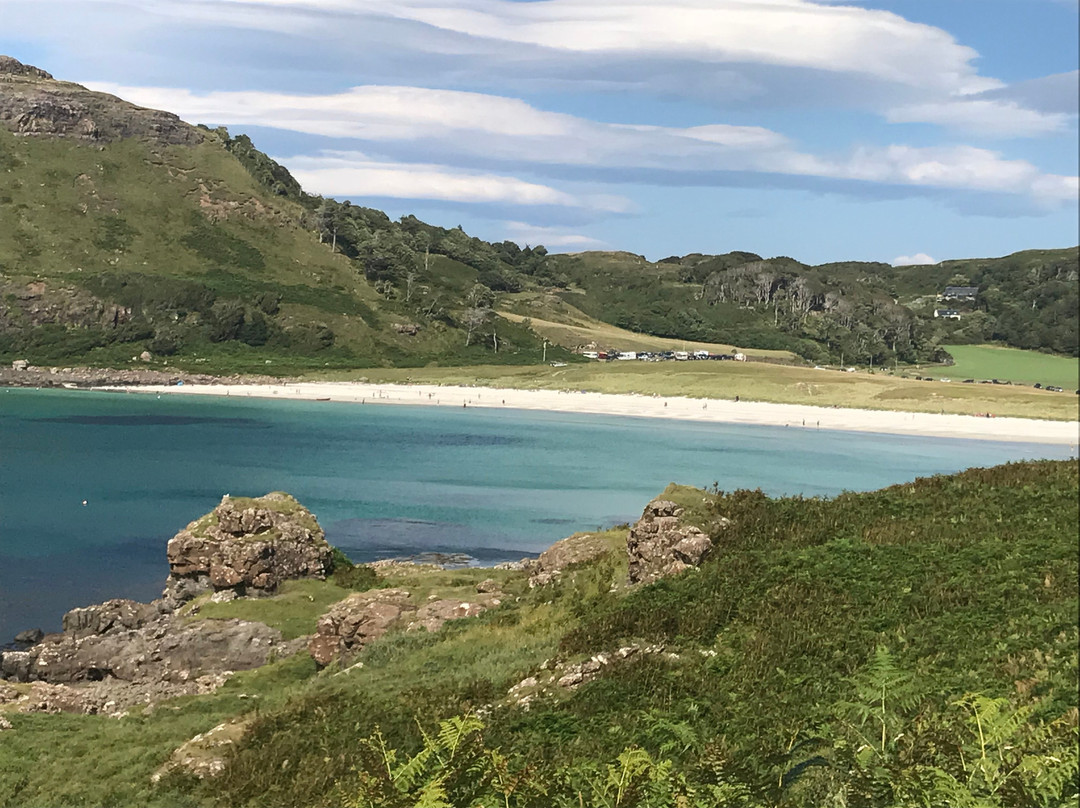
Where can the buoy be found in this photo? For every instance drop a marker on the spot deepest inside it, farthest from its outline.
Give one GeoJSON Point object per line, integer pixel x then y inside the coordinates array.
{"type": "Point", "coordinates": [84, 503]}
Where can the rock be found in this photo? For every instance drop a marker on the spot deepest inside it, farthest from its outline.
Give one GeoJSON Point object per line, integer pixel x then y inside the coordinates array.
{"type": "Point", "coordinates": [166, 649]}
{"type": "Point", "coordinates": [20, 364]}
{"type": "Point", "coordinates": [248, 546]}
{"type": "Point", "coordinates": [488, 586]}
{"type": "Point", "coordinates": [33, 104]}
{"type": "Point", "coordinates": [204, 755]}
{"type": "Point", "coordinates": [8, 693]}
{"type": "Point", "coordinates": [411, 329]}
{"type": "Point", "coordinates": [5, 724]}
{"type": "Point", "coordinates": [146, 356]}
{"type": "Point", "coordinates": [565, 553]}
{"type": "Point", "coordinates": [431, 616]}
{"type": "Point", "coordinates": [355, 621]}
{"type": "Point", "coordinates": [31, 636]}
{"type": "Point", "coordinates": [115, 614]}
{"type": "Point", "coordinates": [660, 545]}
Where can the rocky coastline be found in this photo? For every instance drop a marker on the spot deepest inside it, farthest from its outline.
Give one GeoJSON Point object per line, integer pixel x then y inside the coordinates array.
{"type": "Point", "coordinates": [122, 655]}
{"type": "Point", "coordinates": [26, 375]}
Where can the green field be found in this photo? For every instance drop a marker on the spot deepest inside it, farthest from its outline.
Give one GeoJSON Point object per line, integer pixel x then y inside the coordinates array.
{"type": "Point", "coordinates": [1009, 364]}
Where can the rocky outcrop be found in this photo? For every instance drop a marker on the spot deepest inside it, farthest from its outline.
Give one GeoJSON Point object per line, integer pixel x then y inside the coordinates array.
{"type": "Point", "coordinates": [352, 623]}
{"type": "Point", "coordinates": [130, 642]}
{"type": "Point", "coordinates": [660, 544]}
{"type": "Point", "coordinates": [204, 755]}
{"type": "Point", "coordinates": [562, 554]}
{"type": "Point", "coordinates": [36, 303]}
{"type": "Point", "coordinates": [248, 546]}
{"type": "Point", "coordinates": [32, 103]}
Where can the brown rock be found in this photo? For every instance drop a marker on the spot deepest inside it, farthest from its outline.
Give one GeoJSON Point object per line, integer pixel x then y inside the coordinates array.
{"type": "Point", "coordinates": [247, 545]}
{"type": "Point", "coordinates": [355, 621]}
{"type": "Point", "coordinates": [660, 544]}
{"type": "Point", "coordinates": [565, 553]}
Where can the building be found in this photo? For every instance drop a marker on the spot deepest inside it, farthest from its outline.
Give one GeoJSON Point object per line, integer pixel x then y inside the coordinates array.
{"type": "Point", "coordinates": [962, 293]}
{"type": "Point", "coordinates": [947, 314]}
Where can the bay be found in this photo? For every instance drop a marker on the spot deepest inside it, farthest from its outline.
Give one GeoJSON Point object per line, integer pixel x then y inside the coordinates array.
{"type": "Point", "coordinates": [383, 481]}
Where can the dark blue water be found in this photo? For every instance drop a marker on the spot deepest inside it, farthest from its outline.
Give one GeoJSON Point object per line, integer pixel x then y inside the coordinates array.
{"type": "Point", "coordinates": [383, 481]}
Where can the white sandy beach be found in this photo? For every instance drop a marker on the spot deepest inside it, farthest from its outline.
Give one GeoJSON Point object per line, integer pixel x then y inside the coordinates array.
{"type": "Point", "coordinates": [690, 409]}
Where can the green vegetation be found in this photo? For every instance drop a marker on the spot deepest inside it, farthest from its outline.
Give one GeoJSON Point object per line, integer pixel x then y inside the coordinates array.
{"type": "Point", "coordinates": [1009, 364]}
{"type": "Point", "coordinates": [211, 256]}
{"type": "Point", "coordinates": [293, 610]}
{"type": "Point", "coordinates": [911, 646]}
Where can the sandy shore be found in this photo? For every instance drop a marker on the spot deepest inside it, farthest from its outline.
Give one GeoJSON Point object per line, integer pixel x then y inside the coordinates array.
{"type": "Point", "coordinates": [689, 409]}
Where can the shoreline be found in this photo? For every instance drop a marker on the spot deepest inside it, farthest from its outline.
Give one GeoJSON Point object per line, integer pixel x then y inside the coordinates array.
{"type": "Point", "coordinates": [719, 411]}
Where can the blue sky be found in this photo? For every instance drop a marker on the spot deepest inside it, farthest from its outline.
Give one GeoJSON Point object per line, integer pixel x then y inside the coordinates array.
{"type": "Point", "coordinates": [901, 130]}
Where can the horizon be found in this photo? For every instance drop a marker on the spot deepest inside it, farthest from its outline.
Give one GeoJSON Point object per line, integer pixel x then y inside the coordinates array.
{"type": "Point", "coordinates": [897, 132]}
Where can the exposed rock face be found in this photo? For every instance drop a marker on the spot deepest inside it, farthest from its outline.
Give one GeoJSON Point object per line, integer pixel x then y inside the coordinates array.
{"type": "Point", "coordinates": [32, 103]}
{"type": "Point", "coordinates": [365, 616]}
{"type": "Point", "coordinates": [247, 545]}
{"type": "Point", "coordinates": [352, 623]}
{"type": "Point", "coordinates": [660, 545]}
{"type": "Point", "coordinates": [204, 755]}
{"type": "Point", "coordinates": [10, 67]}
{"type": "Point", "coordinates": [134, 643]}
{"type": "Point", "coordinates": [28, 305]}
{"type": "Point", "coordinates": [565, 553]}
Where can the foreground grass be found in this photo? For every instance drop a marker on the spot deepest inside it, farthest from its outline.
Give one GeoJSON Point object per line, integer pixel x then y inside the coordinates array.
{"type": "Point", "coordinates": [751, 381]}
{"type": "Point", "coordinates": [1009, 364]}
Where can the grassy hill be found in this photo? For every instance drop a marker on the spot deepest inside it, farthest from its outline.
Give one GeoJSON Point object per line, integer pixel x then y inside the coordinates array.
{"type": "Point", "coordinates": [911, 646]}
{"type": "Point", "coordinates": [125, 230]}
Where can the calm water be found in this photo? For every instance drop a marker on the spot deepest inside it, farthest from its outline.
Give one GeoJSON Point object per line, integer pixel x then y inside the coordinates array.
{"type": "Point", "coordinates": [383, 481]}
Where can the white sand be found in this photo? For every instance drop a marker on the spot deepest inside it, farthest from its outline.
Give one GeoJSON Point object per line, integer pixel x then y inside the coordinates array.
{"type": "Point", "coordinates": [690, 409]}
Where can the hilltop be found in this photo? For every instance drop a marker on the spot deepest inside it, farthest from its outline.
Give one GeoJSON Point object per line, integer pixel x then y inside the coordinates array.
{"type": "Point", "coordinates": [125, 230]}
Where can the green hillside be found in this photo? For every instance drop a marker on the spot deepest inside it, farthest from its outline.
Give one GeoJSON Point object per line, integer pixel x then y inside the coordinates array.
{"type": "Point", "coordinates": [914, 646]}
{"type": "Point", "coordinates": [125, 230]}
{"type": "Point", "coordinates": [195, 246]}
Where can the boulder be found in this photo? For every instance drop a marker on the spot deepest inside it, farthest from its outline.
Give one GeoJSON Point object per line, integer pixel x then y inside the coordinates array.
{"type": "Point", "coordinates": [204, 755]}
{"type": "Point", "coordinates": [31, 636]}
{"type": "Point", "coordinates": [572, 550]}
{"type": "Point", "coordinates": [246, 545]}
{"type": "Point", "coordinates": [355, 621]}
{"type": "Point", "coordinates": [166, 649]}
{"type": "Point", "coordinates": [660, 544]}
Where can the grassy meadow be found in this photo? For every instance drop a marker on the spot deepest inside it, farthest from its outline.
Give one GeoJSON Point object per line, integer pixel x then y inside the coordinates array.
{"type": "Point", "coordinates": [751, 381]}
{"type": "Point", "coordinates": [1009, 364]}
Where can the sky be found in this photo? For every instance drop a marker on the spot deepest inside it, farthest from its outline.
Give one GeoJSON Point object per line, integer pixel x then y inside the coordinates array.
{"type": "Point", "coordinates": [904, 131]}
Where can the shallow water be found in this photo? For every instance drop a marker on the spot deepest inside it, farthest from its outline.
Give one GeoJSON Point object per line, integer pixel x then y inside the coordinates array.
{"type": "Point", "coordinates": [384, 481]}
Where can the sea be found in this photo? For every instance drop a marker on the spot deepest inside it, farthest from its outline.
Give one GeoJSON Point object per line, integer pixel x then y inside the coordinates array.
{"type": "Point", "coordinates": [93, 484]}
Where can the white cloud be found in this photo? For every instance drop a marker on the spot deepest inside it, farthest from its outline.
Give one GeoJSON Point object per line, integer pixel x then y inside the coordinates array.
{"type": "Point", "coordinates": [984, 117]}
{"type": "Point", "coordinates": [488, 129]}
{"type": "Point", "coordinates": [489, 125]}
{"type": "Point", "coordinates": [523, 234]}
{"type": "Point", "coordinates": [792, 33]}
{"type": "Point", "coordinates": [918, 259]}
{"type": "Point", "coordinates": [351, 174]}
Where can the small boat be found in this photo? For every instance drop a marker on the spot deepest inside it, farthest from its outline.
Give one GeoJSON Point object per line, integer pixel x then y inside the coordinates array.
{"type": "Point", "coordinates": [71, 386]}
{"type": "Point", "coordinates": [327, 398]}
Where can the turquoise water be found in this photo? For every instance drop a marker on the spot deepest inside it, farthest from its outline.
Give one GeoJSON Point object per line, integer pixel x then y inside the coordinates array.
{"type": "Point", "coordinates": [383, 481]}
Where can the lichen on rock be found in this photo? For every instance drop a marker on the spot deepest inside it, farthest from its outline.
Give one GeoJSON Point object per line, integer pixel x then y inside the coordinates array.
{"type": "Point", "coordinates": [660, 544]}
{"type": "Point", "coordinates": [248, 545]}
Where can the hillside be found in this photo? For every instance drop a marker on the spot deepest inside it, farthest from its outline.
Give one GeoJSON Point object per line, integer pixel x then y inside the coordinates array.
{"type": "Point", "coordinates": [911, 646]}
{"type": "Point", "coordinates": [124, 230]}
